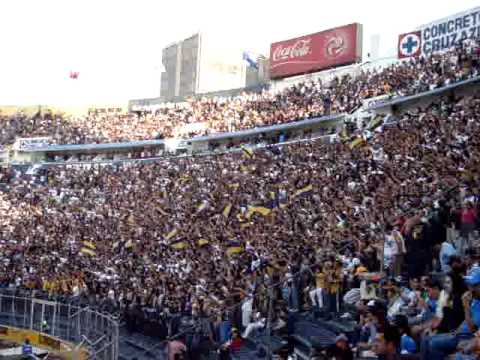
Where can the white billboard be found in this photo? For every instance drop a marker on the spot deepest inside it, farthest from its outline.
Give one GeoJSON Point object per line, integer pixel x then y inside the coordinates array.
{"type": "Point", "coordinates": [221, 66]}
{"type": "Point", "coordinates": [440, 35]}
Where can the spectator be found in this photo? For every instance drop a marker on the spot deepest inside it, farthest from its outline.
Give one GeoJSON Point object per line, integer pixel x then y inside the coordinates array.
{"type": "Point", "coordinates": [443, 344]}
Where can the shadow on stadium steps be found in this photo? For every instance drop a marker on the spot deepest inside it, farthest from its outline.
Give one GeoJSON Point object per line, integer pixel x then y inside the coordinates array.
{"type": "Point", "coordinates": [140, 347]}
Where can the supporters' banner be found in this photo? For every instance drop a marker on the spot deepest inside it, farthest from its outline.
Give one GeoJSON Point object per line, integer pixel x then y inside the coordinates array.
{"type": "Point", "coordinates": [179, 245]}
{"type": "Point", "coordinates": [376, 122]}
{"type": "Point", "coordinates": [248, 152]}
{"type": "Point", "coordinates": [356, 143]}
{"type": "Point", "coordinates": [171, 234]}
{"type": "Point", "coordinates": [264, 211]}
{"type": "Point", "coordinates": [274, 200]}
{"type": "Point", "coordinates": [241, 218]}
{"type": "Point", "coordinates": [233, 186]}
{"type": "Point", "coordinates": [202, 206]}
{"type": "Point", "coordinates": [31, 143]}
{"type": "Point", "coordinates": [234, 247]}
{"type": "Point", "coordinates": [89, 245]}
{"type": "Point", "coordinates": [440, 35]}
{"type": "Point", "coordinates": [202, 242]}
{"type": "Point", "coordinates": [315, 52]}
{"type": "Point", "coordinates": [305, 191]}
{"type": "Point", "coordinates": [88, 251]}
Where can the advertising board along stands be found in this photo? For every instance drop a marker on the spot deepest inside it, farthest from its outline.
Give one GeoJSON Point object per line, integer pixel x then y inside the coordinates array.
{"type": "Point", "coordinates": [440, 35]}
{"type": "Point", "coordinates": [41, 344]}
{"type": "Point", "coordinates": [315, 52]}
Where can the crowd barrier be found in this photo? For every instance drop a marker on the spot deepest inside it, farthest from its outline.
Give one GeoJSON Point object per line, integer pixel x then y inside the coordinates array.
{"type": "Point", "coordinates": [65, 329]}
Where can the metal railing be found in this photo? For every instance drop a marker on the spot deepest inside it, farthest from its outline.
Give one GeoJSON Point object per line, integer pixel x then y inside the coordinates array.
{"type": "Point", "coordinates": [94, 331]}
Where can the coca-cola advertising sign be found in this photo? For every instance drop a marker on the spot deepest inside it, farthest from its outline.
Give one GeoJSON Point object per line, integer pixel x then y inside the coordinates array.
{"type": "Point", "coordinates": [326, 49]}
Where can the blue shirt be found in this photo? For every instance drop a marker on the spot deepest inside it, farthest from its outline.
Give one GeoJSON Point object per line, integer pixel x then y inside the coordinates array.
{"type": "Point", "coordinates": [408, 345]}
{"type": "Point", "coordinates": [224, 331]}
{"type": "Point", "coordinates": [432, 305]}
{"type": "Point", "coordinates": [447, 250]}
{"type": "Point", "coordinates": [475, 314]}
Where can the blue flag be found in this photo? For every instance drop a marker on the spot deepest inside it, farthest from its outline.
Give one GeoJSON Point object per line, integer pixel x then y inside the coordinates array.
{"type": "Point", "coordinates": [249, 60]}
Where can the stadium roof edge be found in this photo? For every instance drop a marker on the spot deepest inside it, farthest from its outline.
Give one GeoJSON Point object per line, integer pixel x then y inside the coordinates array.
{"type": "Point", "coordinates": [218, 137]}
{"type": "Point", "coordinates": [400, 100]}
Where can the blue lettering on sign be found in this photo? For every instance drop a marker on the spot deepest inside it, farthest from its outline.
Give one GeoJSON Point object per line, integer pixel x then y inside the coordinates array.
{"type": "Point", "coordinates": [450, 33]}
{"type": "Point", "coordinates": [458, 24]}
{"type": "Point", "coordinates": [426, 34]}
{"type": "Point", "coordinates": [474, 17]}
{"type": "Point", "coordinates": [427, 47]}
{"type": "Point", "coordinates": [442, 29]}
{"type": "Point", "coordinates": [454, 39]}
{"type": "Point", "coordinates": [410, 44]}
{"type": "Point", "coordinates": [472, 32]}
{"type": "Point", "coordinates": [445, 42]}
{"type": "Point", "coordinates": [451, 26]}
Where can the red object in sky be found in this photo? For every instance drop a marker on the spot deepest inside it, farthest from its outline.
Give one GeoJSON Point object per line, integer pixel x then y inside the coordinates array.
{"type": "Point", "coordinates": [315, 52]}
{"type": "Point", "coordinates": [74, 74]}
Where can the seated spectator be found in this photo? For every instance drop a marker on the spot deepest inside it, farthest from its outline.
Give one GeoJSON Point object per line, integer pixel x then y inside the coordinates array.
{"type": "Point", "coordinates": [439, 346]}
{"type": "Point", "coordinates": [407, 343]}
{"type": "Point", "coordinates": [231, 346]}
{"type": "Point", "coordinates": [341, 349]}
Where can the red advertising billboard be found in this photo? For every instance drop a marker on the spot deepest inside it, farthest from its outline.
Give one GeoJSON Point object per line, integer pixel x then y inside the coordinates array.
{"type": "Point", "coordinates": [315, 52]}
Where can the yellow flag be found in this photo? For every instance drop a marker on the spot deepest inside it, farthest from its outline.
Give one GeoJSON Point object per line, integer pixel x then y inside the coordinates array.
{"type": "Point", "coordinates": [304, 191]}
{"type": "Point", "coordinates": [226, 211]}
{"type": "Point", "coordinates": [203, 242]}
{"type": "Point", "coordinates": [248, 152]}
{"type": "Point", "coordinates": [88, 251]}
{"type": "Point", "coordinates": [357, 142]}
{"type": "Point", "coordinates": [89, 245]}
{"type": "Point", "coordinates": [179, 245]}
{"type": "Point", "coordinates": [234, 250]}
{"type": "Point", "coordinates": [171, 234]}
{"type": "Point", "coordinates": [202, 205]}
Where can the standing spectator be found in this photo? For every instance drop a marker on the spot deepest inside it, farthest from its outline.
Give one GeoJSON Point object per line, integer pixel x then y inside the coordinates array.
{"type": "Point", "coordinates": [468, 218]}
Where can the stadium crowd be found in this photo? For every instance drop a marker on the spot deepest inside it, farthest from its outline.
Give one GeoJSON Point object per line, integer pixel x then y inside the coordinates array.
{"type": "Point", "coordinates": [195, 236]}
{"type": "Point", "coordinates": [252, 110]}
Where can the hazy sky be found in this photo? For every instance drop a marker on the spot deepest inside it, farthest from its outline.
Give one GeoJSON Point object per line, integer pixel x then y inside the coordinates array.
{"type": "Point", "coordinates": [116, 45]}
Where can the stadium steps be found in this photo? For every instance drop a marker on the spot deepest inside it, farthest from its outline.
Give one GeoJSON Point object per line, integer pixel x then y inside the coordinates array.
{"type": "Point", "coordinates": [137, 346]}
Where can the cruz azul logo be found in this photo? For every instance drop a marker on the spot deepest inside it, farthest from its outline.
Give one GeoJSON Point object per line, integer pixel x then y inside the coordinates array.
{"type": "Point", "coordinates": [409, 44]}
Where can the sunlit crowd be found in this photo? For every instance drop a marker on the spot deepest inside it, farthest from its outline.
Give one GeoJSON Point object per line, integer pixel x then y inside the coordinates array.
{"type": "Point", "coordinates": [381, 224]}
{"type": "Point", "coordinates": [206, 116]}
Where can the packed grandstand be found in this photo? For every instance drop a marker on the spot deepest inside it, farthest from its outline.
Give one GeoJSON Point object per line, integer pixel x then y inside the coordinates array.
{"type": "Point", "coordinates": [363, 247]}
{"type": "Point", "coordinates": [301, 101]}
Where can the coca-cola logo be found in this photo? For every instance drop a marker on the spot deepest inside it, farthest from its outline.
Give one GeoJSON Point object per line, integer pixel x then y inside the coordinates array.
{"type": "Point", "coordinates": [336, 45]}
{"type": "Point", "coordinates": [298, 49]}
